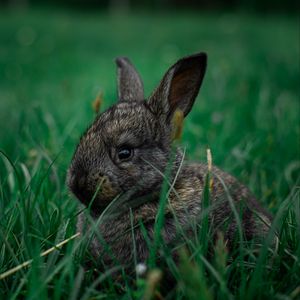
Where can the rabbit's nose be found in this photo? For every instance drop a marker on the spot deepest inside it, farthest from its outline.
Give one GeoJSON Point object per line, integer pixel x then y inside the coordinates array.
{"type": "Point", "coordinates": [77, 184]}
{"type": "Point", "coordinates": [81, 181]}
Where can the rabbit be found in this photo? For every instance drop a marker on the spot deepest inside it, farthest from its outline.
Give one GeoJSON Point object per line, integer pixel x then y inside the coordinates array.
{"type": "Point", "coordinates": [123, 156]}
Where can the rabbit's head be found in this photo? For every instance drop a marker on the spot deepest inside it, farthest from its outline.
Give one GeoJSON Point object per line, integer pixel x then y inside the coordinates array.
{"type": "Point", "coordinates": [127, 147]}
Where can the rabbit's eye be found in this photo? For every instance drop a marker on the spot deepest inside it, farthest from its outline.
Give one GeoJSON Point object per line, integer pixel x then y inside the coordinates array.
{"type": "Point", "coordinates": [125, 153]}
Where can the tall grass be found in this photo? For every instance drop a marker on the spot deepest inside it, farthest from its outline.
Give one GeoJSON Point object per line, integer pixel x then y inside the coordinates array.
{"type": "Point", "coordinates": [59, 274]}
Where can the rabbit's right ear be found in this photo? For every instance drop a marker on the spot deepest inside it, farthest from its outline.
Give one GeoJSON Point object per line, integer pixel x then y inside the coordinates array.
{"type": "Point", "coordinates": [179, 87]}
{"type": "Point", "coordinates": [130, 85]}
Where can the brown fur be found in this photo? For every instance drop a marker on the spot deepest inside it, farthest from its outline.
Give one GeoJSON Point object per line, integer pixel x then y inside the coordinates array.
{"type": "Point", "coordinates": [145, 128]}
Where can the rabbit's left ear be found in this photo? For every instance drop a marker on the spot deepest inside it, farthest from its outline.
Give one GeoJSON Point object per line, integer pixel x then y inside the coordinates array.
{"type": "Point", "coordinates": [130, 85]}
{"type": "Point", "coordinates": [179, 87]}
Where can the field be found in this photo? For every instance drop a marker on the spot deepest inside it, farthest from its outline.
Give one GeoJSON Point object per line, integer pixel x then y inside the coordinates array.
{"type": "Point", "coordinates": [53, 64]}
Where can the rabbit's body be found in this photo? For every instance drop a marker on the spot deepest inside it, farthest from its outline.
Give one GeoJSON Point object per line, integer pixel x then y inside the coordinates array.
{"type": "Point", "coordinates": [185, 203]}
{"type": "Point", "coordinates": [123, 156]}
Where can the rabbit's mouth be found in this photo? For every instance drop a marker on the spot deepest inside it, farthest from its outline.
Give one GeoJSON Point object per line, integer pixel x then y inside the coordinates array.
{"type": "Point", "coordinates": [91, 190]}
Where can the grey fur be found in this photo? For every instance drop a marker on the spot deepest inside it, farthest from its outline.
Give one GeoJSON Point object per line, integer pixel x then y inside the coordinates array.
{"type": "Point", "coordinates": [130, 85]}
{"type": "Point", "coordinates": [145, 127]}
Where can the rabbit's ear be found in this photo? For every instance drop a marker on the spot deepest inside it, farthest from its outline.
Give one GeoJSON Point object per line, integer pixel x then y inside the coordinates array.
{"type": "Point", "coordinates": [180, 86]}
{"type": "Point", "coordinates": [130, 85]}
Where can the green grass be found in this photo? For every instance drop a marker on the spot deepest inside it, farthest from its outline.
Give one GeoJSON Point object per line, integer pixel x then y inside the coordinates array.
{"type": "Point", "coordinates": [52, 66]}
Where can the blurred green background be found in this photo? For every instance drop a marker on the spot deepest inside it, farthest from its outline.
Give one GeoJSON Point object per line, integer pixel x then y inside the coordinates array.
{"type": "Point", "coordinates": [54, 61]}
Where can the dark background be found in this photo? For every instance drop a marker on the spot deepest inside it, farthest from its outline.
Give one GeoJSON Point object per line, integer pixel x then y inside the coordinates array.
{"type": "Point", "coordinates": [261, 6]}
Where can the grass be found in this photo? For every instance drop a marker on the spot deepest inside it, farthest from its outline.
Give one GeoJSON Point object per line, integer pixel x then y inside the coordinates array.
{"type": "Point", "coordinates": [54, 63]}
